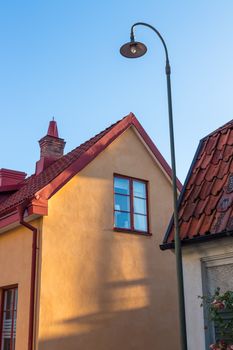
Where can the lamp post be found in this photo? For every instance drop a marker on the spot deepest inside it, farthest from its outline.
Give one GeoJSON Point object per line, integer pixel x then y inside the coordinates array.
{"type": "Point", "coordinates": [135, 49]}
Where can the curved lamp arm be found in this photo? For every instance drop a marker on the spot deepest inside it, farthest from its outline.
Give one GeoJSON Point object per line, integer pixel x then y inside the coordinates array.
{"type": "Point", "coordinates": [168, 68]}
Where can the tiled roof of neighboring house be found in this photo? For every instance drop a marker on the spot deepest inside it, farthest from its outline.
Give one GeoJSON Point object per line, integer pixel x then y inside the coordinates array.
{"type": "Point", "coordinates": [206, 201]}
{"type": "Point", "coordinates": [58, 173]}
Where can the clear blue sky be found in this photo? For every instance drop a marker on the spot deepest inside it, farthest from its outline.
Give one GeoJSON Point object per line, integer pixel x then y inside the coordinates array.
{"type": "Point", "coordinates": [61, 58]}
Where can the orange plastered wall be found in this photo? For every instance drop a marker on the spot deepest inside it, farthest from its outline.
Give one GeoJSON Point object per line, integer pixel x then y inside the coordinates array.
{"type": "Point", "coordinates": [15, 269]}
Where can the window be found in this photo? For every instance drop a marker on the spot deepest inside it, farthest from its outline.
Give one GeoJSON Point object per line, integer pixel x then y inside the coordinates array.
{"type": "Point", "coordinates": [217, 271]}
{"type": "Point", "coordinates": [8, 319]}
{"type": "Point", "coordinates": [228, 337]}
{"type": "Point", "coordinates": [130, 204]}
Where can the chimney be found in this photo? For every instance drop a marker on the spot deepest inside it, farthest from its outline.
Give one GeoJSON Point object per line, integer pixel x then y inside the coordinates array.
{"type": "Point", "coordinates": [51, 147]}
{"type": "Point", "coordinates": [10, 182]}
{"type": "Point", "coordinates": [10, 177]}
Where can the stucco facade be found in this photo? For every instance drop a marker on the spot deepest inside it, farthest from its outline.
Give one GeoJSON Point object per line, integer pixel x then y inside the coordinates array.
{"type": "Point", "coordinates": [195, 257]}
{"type": "Point", "coordinates": [97, 289]}
{"type": "Point", "coordinates": [15, 263]}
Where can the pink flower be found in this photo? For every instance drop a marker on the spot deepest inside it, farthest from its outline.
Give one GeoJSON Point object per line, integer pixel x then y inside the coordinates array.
{"type": "Point", "coordinates": [230, 347]}
{"type": "Point", "coordinates": [217, 304]}
{"type": "Point", "coordinates": [220, 345]}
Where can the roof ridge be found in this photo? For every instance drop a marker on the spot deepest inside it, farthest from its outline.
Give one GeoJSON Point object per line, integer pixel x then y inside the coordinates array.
{"type": "Point", "coordinates": [58, 166]}
{"type": "Point", "coordinates": [224, 126]}
{"type": "Point", "coordinates": [96, 136]}
{"type": "Point", "coordinates": [44, 185]}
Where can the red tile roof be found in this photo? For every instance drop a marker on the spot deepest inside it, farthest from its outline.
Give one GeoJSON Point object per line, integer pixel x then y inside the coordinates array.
{"type": "Point", "coordinates": [206, 201]}
{"type": "Point", "coordinates": [57, 174]}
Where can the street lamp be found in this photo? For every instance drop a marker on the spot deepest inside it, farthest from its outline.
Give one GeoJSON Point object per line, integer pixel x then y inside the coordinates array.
{"type": "Point", "coordinates": [135, 49]}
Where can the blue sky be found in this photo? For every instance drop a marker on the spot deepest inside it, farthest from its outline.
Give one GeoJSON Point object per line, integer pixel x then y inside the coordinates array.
{"type": "Point", "coordinates": [61, 58]}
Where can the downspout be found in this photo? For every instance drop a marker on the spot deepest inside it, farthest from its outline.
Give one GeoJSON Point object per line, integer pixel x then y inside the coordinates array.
{"type": "Point", "coordinates": [21, 211]}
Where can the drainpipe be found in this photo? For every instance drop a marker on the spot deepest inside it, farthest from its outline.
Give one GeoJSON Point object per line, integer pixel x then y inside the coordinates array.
{"type": "Point", "coordinates": [21, 210]}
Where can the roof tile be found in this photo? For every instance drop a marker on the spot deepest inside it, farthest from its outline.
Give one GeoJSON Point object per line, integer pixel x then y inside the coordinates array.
{"type": "Point", "coordinates": [211, 144]}
{"type": "Point", "coordinates": [35, 183]}
{"type": "Point", "coordinates": [206, 205]}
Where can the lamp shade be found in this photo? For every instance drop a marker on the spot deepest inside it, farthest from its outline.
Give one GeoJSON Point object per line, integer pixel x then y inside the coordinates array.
{"type": "Point", "coordinates": [133, 49]}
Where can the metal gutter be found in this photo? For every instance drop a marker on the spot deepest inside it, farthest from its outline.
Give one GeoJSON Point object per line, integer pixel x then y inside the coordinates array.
{"type": "Point", "coordinates": [21, 211]}
{"type": "Point", "coordinates": [197, 239]}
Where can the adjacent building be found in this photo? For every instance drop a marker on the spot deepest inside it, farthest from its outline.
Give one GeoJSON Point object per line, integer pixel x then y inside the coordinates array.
{"type": "Point", "coordinates": [206, 230]}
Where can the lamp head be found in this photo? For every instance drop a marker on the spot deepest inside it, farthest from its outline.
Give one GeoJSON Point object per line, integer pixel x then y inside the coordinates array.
{"type": "Point", "coordinates": [133, 49]}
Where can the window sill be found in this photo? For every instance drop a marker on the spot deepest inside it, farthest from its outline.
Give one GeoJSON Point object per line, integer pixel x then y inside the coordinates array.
{"type": "Point", "coordinates": [132, 232]}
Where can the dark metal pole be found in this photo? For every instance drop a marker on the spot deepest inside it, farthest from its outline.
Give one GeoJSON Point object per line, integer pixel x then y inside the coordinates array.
{"type": "Point", "coordinates": [179, 265]}
{"type": "Point", "coordinates": [178, 253]}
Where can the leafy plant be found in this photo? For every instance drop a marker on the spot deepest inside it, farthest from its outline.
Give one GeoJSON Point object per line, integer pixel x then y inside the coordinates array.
{"type": "Point", "coordinates": [216, 306]}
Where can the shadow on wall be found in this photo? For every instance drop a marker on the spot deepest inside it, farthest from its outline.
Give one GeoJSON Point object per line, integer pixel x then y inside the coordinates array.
{"type": "Point", "coordinates": [113, 330]}
{"type": "Point", "coordinates": [121, 328]}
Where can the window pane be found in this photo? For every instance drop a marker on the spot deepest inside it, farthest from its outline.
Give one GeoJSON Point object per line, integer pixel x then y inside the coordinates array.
{"type": "Point", "coordinates": [122, 202]}
{"type": "Point", "coordinates": [8, 315]}
{"type": "Point", "coordinates": [8, 299]}
{"type": "Point", "coordinates": [14, 326]}
{"type": "Point", "coordinates": [9, 319]}
{"type": "Point", "coordinates": [139, 189]}
{"type": "Point", "coordinates": [122, 220]}
{"type": "Point", "coordinates": [6, 344]}
{"type": "Point", "coordinates": [121, 185]}
{"type": "Point", "coordinates": [217, 275]}
{"type": "Point", "coordinates": [228, 336]}
{"type": "Point", "coordinates": [140, 222]}
{"type": "Point", "coordinates": [16, 298]}
{"type": "Point", "coordinates": [139, 206]}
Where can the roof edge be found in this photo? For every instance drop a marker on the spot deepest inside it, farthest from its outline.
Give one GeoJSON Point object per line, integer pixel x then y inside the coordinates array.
{"type": "Point", "coordinates": [130, 120]}
{"type": "Point", "coordinates": [11, 221]}
{"type": "Point", "coordinates": [227, 124]}
{"type": "Point", "coordinates": [197, 239]}
{"type": "Point", "coordinates": [155, 151]}
{"type": "Point", "coordinates": [166, 236]}
{"type": "Point", "coordinates": [95, 149]}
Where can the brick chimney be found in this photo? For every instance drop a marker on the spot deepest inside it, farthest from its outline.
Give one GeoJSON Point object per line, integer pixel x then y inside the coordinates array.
{"type": "Point", "coordinates": [51, 147]}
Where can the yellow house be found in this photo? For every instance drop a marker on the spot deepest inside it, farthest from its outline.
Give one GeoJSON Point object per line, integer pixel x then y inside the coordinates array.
{"type": "Point", "coordinates": [80, 263]}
